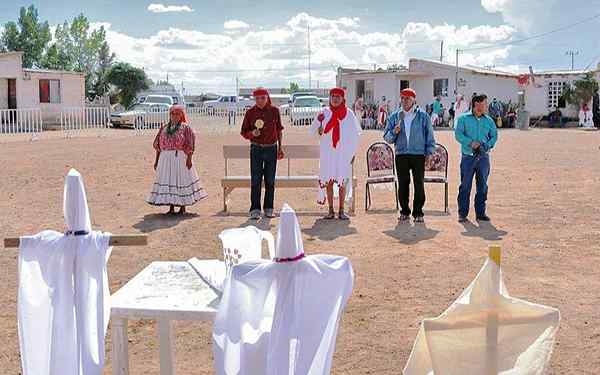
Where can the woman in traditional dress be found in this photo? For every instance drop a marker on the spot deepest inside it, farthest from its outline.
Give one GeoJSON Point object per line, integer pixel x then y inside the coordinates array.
{"type": "Point", "coordinates": [177, 183]}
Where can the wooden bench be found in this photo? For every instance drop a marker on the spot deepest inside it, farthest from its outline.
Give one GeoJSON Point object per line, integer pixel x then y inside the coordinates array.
{"type": "Point", "coordinates": [292, 152]}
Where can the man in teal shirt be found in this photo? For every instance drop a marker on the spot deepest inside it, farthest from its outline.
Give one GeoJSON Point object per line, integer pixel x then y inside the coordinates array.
{"type": "Point", "coordinates": [477, 134]}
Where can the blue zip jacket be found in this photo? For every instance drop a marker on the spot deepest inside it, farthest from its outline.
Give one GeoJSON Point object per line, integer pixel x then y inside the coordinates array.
{"type": "Point", "coordinates": [422, 140]}
{"type": "Point", "coordinates": [470, 128]}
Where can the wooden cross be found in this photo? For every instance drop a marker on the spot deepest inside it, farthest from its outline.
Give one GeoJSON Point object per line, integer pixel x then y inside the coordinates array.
{"type": "Point", "coordinates": [122, 240]}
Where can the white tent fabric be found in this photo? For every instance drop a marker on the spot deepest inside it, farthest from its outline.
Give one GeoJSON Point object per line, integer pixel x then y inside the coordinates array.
{"type": "Point", "coordinates": [282, 317]}
{"type": "Point", "coordinates": [63, 298]}
{"type": "Point", "coordinates": [486, 331]}
{"type": "Point", "coordinates": [239, 245]}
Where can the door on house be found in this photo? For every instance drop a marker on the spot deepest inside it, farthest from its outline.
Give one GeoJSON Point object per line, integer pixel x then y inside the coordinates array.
{"type": "Point", "coordinates": [12, 94]}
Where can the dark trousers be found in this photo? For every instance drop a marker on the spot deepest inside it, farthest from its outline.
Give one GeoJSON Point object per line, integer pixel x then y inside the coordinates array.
{"type": "Point", "coordinates": [263, 164]}
{"type": "Point", "coordinates": [478, 166]}
{"type": "Point", "coordinates": [404, 165]}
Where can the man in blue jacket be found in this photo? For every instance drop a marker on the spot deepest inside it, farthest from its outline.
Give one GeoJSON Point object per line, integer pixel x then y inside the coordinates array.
{"type": "Point", "coordinates": [477, 134]}
{"type": "Point", "coordinates": [410, 130]}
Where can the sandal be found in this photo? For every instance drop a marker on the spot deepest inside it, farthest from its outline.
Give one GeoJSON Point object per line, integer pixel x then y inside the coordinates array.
{"type": "Point", "coordinates": [343, 216]}
{"type": "Point", "coordinates": [330, 215]}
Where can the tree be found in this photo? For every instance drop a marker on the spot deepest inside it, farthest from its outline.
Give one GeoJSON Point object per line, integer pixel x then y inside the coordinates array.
{"type": "Point", "coordinates": [106, 59]}
{"type": "Point", "coordinates": [85, 51]}
{"type": "Point", "coordinates": [293, 88]}
{"type": "Point", "coordinates": [581, 91]}
{"type": "Point", "coordinates": [128, 80]}
{"type": "Point", "coordinates": [28, 35]}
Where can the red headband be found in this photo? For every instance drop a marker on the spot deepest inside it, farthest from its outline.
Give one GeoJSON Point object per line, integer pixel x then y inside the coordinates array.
{"type": "Point", "coordinates": [337, 91]}
{"type": "Point", "coordinates": [409, 92]}
{"type": "Point", "coordinates": [260, 92]}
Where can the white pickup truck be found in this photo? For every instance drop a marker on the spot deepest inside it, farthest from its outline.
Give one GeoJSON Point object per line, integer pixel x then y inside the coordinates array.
{"type": "Point", "coordinates": [231, 102]}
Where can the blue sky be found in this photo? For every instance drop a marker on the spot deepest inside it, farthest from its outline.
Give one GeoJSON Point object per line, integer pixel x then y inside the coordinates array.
{"type": "Point", "coordinates": [206, 44]}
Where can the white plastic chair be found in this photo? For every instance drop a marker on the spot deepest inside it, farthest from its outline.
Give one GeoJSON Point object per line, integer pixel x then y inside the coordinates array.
{"type": "Point", "coordinates": [244, 244]}
{"type": "Point", "coordinates": [239, 245]}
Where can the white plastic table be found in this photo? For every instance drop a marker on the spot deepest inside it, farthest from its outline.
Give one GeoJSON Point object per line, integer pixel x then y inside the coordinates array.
{"type": "Point", "coordinates": [164, 291]}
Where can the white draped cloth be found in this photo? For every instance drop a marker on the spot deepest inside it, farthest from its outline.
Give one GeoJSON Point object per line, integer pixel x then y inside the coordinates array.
{"type": "Point", "coordinates": [63, 297]}
{"type": "Point", "coordinates": [281, 317]}
{"type": "Point", "coordinates": [586, 118]}
{"type": "Point", "coordinates": [486, 331]}
{"type": "Point", "coordinates": [336, 163]}
{"type": "Point", "coordinates": [461, 106]}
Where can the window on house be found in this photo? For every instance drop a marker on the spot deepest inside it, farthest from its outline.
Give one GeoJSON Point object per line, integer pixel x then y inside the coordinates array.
{"type": "Point", "coordinates": [49, 91]}
{"type": "Point", "coordinates": [555, 90]}
{"type": "Point", "coordinates": [404, 84]}
{"type": "Point", "coordinates": [440, 87]}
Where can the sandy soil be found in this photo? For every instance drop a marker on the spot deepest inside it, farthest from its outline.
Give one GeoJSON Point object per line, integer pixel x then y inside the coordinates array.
{"type": "Point", "coordinates": [544, 201]}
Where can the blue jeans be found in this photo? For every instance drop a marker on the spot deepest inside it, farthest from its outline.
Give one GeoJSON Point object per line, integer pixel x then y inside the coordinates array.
{"type": "Point", "coordinates": [478, 166]}
{"type": "Point", "coordinates": [263, 164]}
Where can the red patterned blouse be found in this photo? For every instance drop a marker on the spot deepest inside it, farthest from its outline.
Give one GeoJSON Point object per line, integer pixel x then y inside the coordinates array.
{"type": "Point", "coordinates": [183, 140]}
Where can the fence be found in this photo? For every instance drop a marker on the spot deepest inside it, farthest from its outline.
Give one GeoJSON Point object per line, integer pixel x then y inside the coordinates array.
{"type": "Point", "coordinates": [21, 121]}
{"type": "Point", "coordinates": [96, 121]}
{"type": "Point", "coordinates": [79, 119]}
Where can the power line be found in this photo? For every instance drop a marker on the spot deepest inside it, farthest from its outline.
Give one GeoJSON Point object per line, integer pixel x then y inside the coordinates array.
{"type": "Point", "coordinates": [537, 36]}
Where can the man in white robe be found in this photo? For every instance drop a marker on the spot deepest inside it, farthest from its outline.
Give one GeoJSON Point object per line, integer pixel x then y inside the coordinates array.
{"type": "Point", "coordinates": [281, 317]}
{"type": "Point", "coordinates": [63, 297]}
{"type": "Point", "coordinates": [339, 132]}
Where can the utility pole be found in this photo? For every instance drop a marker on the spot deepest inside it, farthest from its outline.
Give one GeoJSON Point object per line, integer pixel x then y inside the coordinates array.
{"type": "Point", "coordinates": [237, 85]}
{"type": "Point", "coordinates": [456, 78]}
{"type": "Point", "coordinates": [572, 53]}
{"type": "Point", "coordinates": [309, 72]}
{"type": "Point", "coordinates": [442, 51]}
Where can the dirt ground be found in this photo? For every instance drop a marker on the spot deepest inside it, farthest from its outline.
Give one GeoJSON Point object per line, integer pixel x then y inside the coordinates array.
{"type": "Point", "coordinates": [544, 201]}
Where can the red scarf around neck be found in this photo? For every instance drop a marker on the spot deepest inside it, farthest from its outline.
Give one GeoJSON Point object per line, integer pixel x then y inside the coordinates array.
{"type": "Point", "coordinates": [338, 114]}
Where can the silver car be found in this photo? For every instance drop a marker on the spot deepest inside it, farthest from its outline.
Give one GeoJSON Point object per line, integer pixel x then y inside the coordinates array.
{"type": "Point", "coordinates": [304, 109]}
{"type": "Point", "coordinates": [144, 115]}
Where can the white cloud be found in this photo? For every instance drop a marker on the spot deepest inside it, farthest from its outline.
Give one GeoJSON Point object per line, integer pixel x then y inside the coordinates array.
{"type": "Point", "coordinates": [275, 56]}
{"type": "Point", "coordinates": [235, 25]}
{"type": "Point", "coordinates": [161, 8]}
{"type": "Point", "coordinates": [526, 15]}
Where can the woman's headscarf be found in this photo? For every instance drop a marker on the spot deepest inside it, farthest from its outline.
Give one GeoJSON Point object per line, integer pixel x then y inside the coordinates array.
{"type": "Point", "coordinates": [179, 110]}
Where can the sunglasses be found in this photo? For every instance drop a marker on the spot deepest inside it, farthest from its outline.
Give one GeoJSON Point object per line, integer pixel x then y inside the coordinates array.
{"type": "Point", "coordinates": [262, 97]}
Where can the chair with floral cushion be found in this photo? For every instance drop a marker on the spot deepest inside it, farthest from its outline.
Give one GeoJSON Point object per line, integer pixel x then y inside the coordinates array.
{"type": "Point", "coordinates": [436, 170]}
{"type": "Point", "coordinates": [380, 169]}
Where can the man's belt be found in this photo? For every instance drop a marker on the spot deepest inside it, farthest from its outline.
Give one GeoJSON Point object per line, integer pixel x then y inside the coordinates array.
{"type": "Point", "coordinates": [263, 145]}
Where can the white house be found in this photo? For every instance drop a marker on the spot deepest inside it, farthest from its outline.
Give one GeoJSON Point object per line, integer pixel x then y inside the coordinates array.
{"type": "Point", "coordinates": [431, 78]}
{"type": "Point", "coordinates": [51, 91]}
{"type": "Point", "coordinates": [543, 93]}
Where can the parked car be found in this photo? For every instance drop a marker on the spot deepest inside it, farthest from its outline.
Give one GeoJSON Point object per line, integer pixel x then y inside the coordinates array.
{"type": "Point", "coordinates": [160, 99]}
{"type": "Point", "coordinates": [296, 95]}
{"type": "Point", "coordinates": [145, 115]}
{"type": "Point", "coordinates": [304, 110]}
{"type": "Point", "coordinates": [228, 102]}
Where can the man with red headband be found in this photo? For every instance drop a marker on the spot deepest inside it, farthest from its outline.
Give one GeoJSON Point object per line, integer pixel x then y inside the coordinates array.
{"type": "Point", "coordinates": [339, 131]}
{"type": "Point", "coordinates": [410, 130]}
{"type": "Point", "coordinates": [262, 127]}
